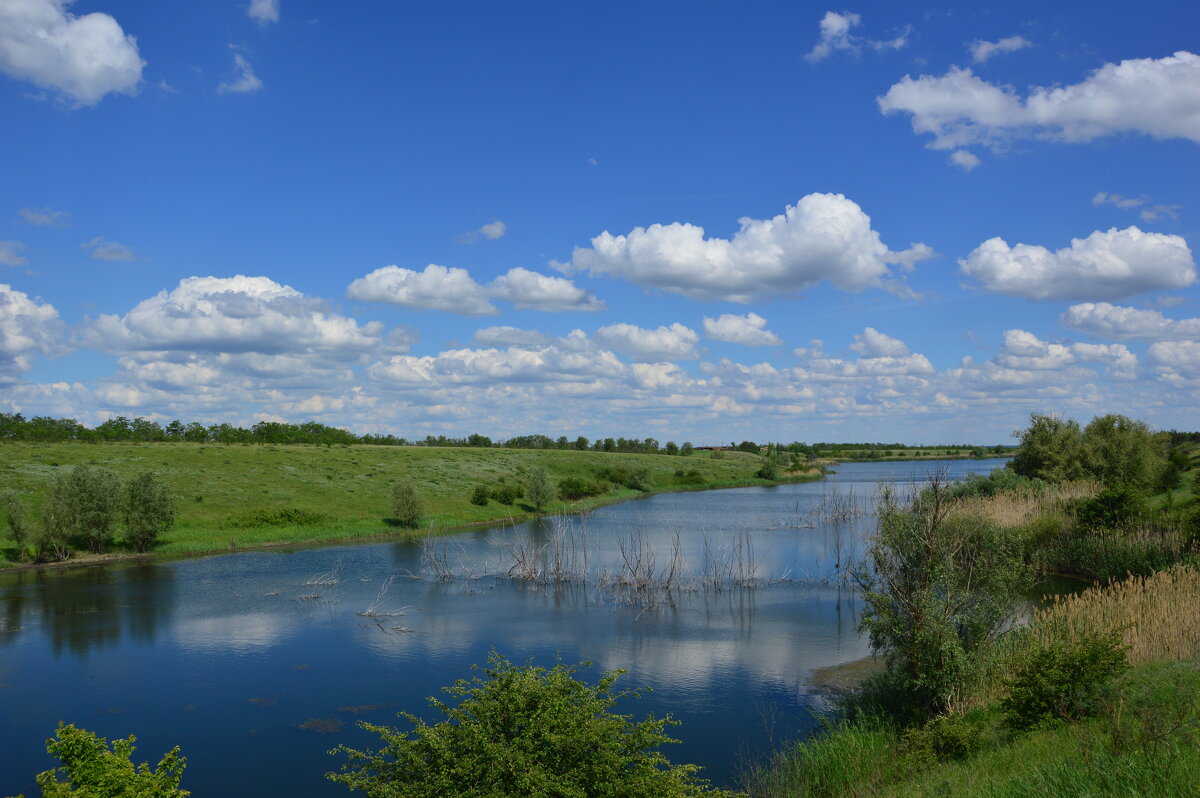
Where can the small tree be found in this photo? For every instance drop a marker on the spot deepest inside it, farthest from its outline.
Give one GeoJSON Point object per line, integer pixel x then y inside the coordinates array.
{"type": "Point", "coordinates": [686, 449]}
{"type": "Point", "coordinates": [92, 497]}
{"type": "Point", "coordinates": [91, 769]}
{"type": "Point", "coordinates": [1050, 449]}
{"type": "Point", "coordinates": [936, 586]}
{"type": "Point", "coordinates": [480, 495]}
{"type": "Point", "coordinates": [149, 510]}
{"type": "Point", "coordinates": [539, 489]}
{"type": "Point", "coordinates": [408, 508]}
{"type": "Point", "coordinates": [16, 516]}
{"type": "Point", "coordinates": [51, 539]}
{"type": "Point", "coordinates": [524, 731]}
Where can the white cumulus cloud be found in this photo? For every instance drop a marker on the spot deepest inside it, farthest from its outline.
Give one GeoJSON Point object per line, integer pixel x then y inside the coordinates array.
{"type": "Point", "coordinates": [872, 343]}
{"type": "Point", "coordinates": [1177, 359]}
{"type": "Point", "coordinates": [1104, 266]}
{"type": "Point", "coordinates": [821, 237]}
{"type": "Point", "coordinates": [749, 330]}
{"type": "Point", "coordinates": [1155, 97]}
{"type": "Point", "coordinates": [964, 159]}
{"type": "Point", "coordinates": [982, 51]}
{"type": "Point", "coordinates": [28, 327]}
{"type": "Point", "coordinates": [1128, 324]}
{"type": "Point", "coordinates": [82, 58]}
{"type": "Point", "coordinates": [436, 288]}
{"type": "Point", "coordinates": [676, 342]}
{"type": "Point", "coordinates": [232, 315]}
{"type": "Point", "coordinates": [527, 289]}
{"type": "Point", "coordinates": [263, 11]}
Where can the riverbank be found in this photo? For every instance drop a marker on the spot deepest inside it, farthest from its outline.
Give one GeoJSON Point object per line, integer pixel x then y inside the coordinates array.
{"type": "Point", "coordinates": [237, 497]}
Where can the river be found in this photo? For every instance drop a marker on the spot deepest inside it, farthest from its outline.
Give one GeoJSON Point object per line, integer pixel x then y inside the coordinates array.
{"type": "Point", "coordinates": [257, 663]}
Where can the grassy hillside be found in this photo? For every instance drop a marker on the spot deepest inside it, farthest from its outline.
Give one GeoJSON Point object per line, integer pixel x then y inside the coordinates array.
{"type": "Point", "coordinates": [227, 493]}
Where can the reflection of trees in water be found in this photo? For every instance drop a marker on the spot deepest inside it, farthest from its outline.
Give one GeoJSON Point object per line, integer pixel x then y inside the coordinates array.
{"type": "Point", "coordinates": [82, 609]}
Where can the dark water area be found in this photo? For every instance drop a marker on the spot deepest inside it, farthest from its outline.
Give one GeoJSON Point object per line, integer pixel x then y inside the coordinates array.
{"type": "Point", "coordinates": [258, 663]}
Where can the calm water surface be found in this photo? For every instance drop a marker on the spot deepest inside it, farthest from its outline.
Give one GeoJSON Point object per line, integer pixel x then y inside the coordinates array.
{"type": "Point", "coordinates": [258, 663]}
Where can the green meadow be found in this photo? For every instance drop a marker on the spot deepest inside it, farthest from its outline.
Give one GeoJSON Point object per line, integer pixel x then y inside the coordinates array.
{"type": "Point", "coordinates": [246, 495]}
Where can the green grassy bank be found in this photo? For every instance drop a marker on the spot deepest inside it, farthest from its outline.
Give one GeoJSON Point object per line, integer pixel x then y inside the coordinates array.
{"type": "Point", "coordinates": [242, 496]}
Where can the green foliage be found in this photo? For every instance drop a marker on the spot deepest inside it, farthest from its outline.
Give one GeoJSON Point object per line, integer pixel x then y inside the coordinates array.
{"type": "Point", "coordinates": [16, 518]}
{"type": "Point", "coordinates": [769, 469]}
{"type": "Point", "coordinates": [1063, 680]}
{"type": "Point", "coordinates": [997, 481]}
{"type": "Point", "coordinates": [281, 516]}
{"type": "Point", "coordinates": [1051, 449]}
{"type": "Point", "coordinates": [689, 477]}
{"type": "Point", "coordinates": [944, 737]}
{"type": "Point", "coordinates": [936, 587]}
{"type": "Point", "coordinates": [149, 510]}
{"type": "Point", "coordinates": [1117, 508]}
{"type": "Point", "coordinates": [507, 493]}
{"type": "Point", "coordinates": [1155, 711]}
{"type": "Point", "coordinates": [634, 478]}
{"type": "Point", "coordinates": [574, 488]}
{"type": "Point", "coordinates": [480, 495]}
{"type": "Point", "coordinates": [90, 496]}
{"type": "Point", "coordinates": [686, 450]}
{"type": "Point", "coordinates": [523, 731]}
{"type": "Point", "coordinates": [539, 489]}
{"type": "Point", "coordinates": [842, 759]}
{"type": "Point", "coordinates": [1119, 451]}
{"type": "Point", "coordinates": [91, 770]}
{"type": "Point", "coordinates": [408, 507]}
{"type": "Point", "coordinates": [1113, 449]}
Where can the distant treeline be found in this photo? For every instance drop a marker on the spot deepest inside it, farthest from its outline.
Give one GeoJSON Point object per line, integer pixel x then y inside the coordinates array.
{"type": "Point", "coordinates": [15, 427]}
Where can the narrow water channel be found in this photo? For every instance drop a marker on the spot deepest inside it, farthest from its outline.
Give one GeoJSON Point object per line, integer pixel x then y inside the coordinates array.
{"type": "Point", "coordinates": [257, 663]}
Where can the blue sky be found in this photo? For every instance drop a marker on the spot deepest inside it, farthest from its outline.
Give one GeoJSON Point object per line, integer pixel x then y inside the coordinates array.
{"type": "Point", "coordinates": [704, 221]}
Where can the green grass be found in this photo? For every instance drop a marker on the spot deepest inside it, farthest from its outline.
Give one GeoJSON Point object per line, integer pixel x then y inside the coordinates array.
{"type": "Point", "coordinates": [237, 496]}
{"type": "Point", "coordinates": [1157, 755]}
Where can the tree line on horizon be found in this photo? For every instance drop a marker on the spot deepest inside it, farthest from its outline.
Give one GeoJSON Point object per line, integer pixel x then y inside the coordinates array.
{"type": "Point", "coordinates": [15, 427]}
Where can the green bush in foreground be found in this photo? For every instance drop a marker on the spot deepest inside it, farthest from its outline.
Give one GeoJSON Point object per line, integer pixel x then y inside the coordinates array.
{"type": "Point", "coordinates": [91, 769]}
{"type": "Point", "coordinates": [1063, 680]}
{"type": "Point", "coordinates": [523, 731]}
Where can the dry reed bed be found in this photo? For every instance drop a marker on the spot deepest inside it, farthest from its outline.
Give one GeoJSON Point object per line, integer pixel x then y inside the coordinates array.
{"type": "Point", "coordinates": [1019, 507]}
{"type": "Point", "coordinates": [1158, 615]}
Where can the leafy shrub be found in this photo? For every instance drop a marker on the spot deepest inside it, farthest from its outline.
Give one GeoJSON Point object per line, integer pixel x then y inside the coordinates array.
{"type": "Point", "coordinates": [408, 507]}
{"type": "Point", "coordinates": [149, 510]}
{"type": "Point", "coordinates": [480, 495]}
{"type": "Point", "coordinates": [523, 730]}
{"type": "Point", "coordinates": [573, 488]}
{"type": "Point", "coordinates": [1063, 680]}
{"type": "Point", "coordinates": [91, 769]}
{"type": "Point", "coordinates": [944, 737]}
{"type": "Point", "coordinates": [278, 517]}
{"type": "Point", "coordinates": [507, 494]}
{"type": "Point", "coordinates": [1112, 508]}
{"type": "Point", "coordinates": [769, 469]}
{"type": "Point", "coordinates": [999, 480]}
{"type": "Point", "coordinates": [87, 499]}
{"type": "Point", "coordinates": [689, 477]}
{"type": "Point", "coordinates": [632, 478]}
